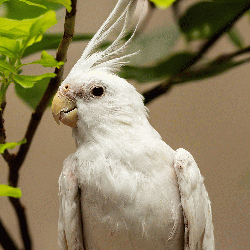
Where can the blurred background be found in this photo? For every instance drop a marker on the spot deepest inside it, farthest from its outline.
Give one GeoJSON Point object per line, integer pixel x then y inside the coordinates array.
{"type": "Point", "coordinates": [209, 118]}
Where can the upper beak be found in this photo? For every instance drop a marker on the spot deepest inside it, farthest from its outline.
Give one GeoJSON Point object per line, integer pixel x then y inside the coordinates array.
{"type": "Point", "coordinates": [64, 110]}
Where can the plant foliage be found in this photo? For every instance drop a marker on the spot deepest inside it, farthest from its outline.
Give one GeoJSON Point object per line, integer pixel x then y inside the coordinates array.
{"type": "Point", "coordinates": [6, 190]}
{"type": "Point", "coordinates": [24, 29]}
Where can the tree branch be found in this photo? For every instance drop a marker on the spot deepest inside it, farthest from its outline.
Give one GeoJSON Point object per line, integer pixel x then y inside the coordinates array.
{"type": "Point", "coordinates": [188, 75]}
{"type": "Point", "coordinates": [2, 129]}
{"type": "Point", "coordinates": [5, 240]}
{"type": "Point", "coordinates": [212, 67]}
{"type": "Point", "coordinates": [6, 155]}
{"type": "Point", "coordinates": [166, 85]}
{"type": "Point", "coordinates": [23, 223]}
{"type": "Point", "coordinates": [52, 86]}
{"type": "Point", "coordinates": [234, 54]}
{"type": "Point", "coordinates": [15, 161]}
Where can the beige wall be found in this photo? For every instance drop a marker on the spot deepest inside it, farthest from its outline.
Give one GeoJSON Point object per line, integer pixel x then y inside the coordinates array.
{"type": "Point", "coordinates": [208, 118]}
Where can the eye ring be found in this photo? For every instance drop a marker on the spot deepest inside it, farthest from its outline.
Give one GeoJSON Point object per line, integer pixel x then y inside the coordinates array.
{"type": "Point", "coordinates": [66, 87]}
{"type": "Point", "coordinates": [97, 91]}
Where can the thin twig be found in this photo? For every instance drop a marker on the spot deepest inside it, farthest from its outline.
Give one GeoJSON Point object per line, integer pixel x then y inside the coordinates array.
{"type": "Point", "coordinates": [212, 69]}
{"type": "Point", "coordinates": [188, 75]}
{"type": "Point", "coordinates": [209, 67]}
{"type": "Point", "coordinates": [52, 86]}
{"type": "Point", "coordinates": [2, 129]}
{"type": "Point", "coordinates": [234, 54]}
{"type": "Point", "coordinates": [15, 161]}
{"type": "Point", "coordinates": [6, 155]}
{"type": "Point", "coordinates": [5, 240]}
{"type": "Point", "coordinates": [165, 86]}
{"type": "Point", "coordinates": [23, 223]}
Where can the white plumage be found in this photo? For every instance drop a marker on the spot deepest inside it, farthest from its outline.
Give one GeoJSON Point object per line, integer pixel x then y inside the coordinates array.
{"type": "Point", "coordinates": [124, 188]}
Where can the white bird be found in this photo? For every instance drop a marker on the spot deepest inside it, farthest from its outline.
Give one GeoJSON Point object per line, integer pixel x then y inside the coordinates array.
{"type": "Point", "coordinates": [123, 188]}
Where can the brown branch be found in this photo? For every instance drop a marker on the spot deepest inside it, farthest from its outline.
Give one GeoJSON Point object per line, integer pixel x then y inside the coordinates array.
{"type": "Point", "coordinates": [229, 56]}
{"type": "Point", "coordinates": [23, 223]}
{"type": "Point", "coordinates": [6, 155]}
{"type": "Point", "coordinates": [52, 86]}
{"type": "Point", "coordinates": [188, 75]}
{"type": "Point", "coordinates": [165, 86]}
{"type": "Point", "coordinates": [5, 240]}
{"type": "Point", "coordinates": [225, 58]}
{"type": "Point", "coordinates": [15, 161]}
{"type": "Point", "coordinates": [2, 129]}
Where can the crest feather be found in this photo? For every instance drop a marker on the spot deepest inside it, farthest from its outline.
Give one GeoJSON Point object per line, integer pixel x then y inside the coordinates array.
{"type": "Point", "coordinates": [111, 58]}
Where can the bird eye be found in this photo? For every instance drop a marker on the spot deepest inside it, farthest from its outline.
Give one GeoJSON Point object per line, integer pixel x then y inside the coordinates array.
{"type": "Point", "coordinates": [97, 91]}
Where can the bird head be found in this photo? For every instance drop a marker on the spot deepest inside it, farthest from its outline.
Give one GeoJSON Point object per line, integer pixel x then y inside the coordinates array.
{"type": "Point", "coordinates": [97, 97]}
{"type": "Point", "coordinates": [92, 93]}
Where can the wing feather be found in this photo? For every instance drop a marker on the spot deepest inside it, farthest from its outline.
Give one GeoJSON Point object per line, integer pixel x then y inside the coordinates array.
{"type": "Point", "coordinates": [70, 227]}
{"type": "Point", "coordinates": [195, 203]}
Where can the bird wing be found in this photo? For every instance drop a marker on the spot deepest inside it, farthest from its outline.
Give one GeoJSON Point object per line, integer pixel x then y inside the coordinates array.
{"type": "Point", "coordinates": [195, 203]}
{"type": "Point", "coordinates": [70, 230]}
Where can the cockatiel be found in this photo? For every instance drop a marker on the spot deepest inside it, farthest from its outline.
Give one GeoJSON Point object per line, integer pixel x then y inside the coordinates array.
{"type": "Point", "coordinates": [123, 188]}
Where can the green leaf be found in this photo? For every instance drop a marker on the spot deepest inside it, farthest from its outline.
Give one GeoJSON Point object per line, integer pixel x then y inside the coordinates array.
{"type": "Point", "coordinates": [154, 45]}
{"type": "Point", "coordinates": [2, 1]}
{"type": "Point", "coordinates": [10, 145]}
{"type": "Point", "coordinates": [15, 29]}
{"type": "Point", "coordinates": [32, 96]}
{"type": "Point", "coordinates": [236, 38]}
{"type": "Point", "coordinates": [162, 70]}
{"type": "Point", "coordinates": [65, 3]}
{"type": "Point", "coordinates": [52, 41]}
{"type": "Point", "coordinates": [30, 29]}
{"type": "Point", "coordinates": [20, 10]}
{"type": "Point", "coordinates": [6, 190]}
{"type": "Point", "coordinates": [29, 81]}
{"type": "Point", "coordinates": [33, 4]}
{"type": "Point", "coordinates": [163, 4]}
{"type": "Point", "coordinates": [41, 24]}
{"type": "Point", "coordinates": [6, 66]}
{"type": "Point", "coordinates": [48, 61]}
{"type": "Point", "coordinates": [204, 19]}
{"type": "Point", "coordinates": [9, 47]}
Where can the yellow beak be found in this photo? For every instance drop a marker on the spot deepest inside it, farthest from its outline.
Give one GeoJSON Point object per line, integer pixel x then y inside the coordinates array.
{"type": "Point", "coordinates": [64, 110]}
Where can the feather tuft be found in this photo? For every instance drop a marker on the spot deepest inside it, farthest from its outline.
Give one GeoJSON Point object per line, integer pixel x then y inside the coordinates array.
{"type": "Point", "coordinates": [112, 58]}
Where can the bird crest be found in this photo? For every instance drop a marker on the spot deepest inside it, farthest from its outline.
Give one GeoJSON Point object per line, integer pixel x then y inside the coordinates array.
{"type": "Point", "coordinates": [112, 57]}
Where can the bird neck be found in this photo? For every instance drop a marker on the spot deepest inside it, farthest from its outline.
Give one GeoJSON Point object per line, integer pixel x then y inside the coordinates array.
{"type": "Point", "coordinates": [117, 136]}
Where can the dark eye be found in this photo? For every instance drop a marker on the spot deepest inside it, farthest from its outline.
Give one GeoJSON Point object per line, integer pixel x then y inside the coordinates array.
{"type": "Point", "coordinates": [97, 91]}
